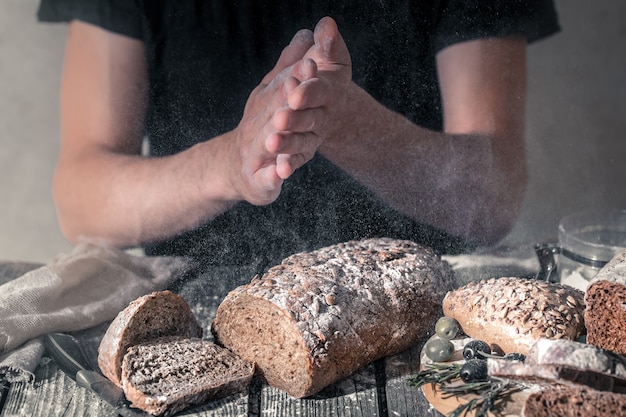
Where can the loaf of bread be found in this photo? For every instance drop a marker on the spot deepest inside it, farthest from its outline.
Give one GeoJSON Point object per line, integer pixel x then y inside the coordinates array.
{"type": "Point", "coordinates": [574, 402]}
{"type": "Point", "coordinates": [155, 315]}
{"type": "Point", "coordinates": [168, 375]}
{"type": "Point", "coordinates": [605, 299]}
{"type": "Point", "coordinates": [513, 313]}
{"type": "Point", "coordinates": [319, 316]}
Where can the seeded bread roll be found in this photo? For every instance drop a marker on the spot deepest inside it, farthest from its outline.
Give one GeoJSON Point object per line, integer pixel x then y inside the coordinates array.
{"type": "Point", "coordinates": [168, 375]}
{"type": "Point", "coordinates": [155, 315]}
{"type": "Point", "coordinates": [319, 316]}
{"type": "Point", "coordinates": [513, 313]}
{"type": "Point", "coordinates": [574, 402]}
{"type": "Point", "coordinates": [605, 300]}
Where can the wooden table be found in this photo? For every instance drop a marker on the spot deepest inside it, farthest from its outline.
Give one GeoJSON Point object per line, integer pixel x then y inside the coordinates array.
{"type": "Point", "coordinates": [379, 389]}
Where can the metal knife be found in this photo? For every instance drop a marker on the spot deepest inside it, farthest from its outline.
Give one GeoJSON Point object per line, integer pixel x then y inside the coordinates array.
{"type": "Point", "coordinates": [66, 352]}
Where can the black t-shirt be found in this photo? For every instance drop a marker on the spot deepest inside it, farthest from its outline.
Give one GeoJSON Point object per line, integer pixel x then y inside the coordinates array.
{"type": "Point", "coordinates": [204, 58]}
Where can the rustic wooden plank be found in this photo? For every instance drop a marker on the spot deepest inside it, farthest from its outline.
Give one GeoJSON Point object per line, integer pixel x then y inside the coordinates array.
{"type": "Point", "coordinates": [232, 406]}
{"type": "Point", "coordinates": [53, 394]}
{"type": "Point", "coordinates": [4, 392]}
{"type": "Point", "coordinates": [402, 399]}
{"type": "Point", "coordinates": [355, 396]}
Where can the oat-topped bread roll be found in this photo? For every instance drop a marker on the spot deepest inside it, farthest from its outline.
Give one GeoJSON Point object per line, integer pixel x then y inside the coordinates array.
{"type": "Point", "coordinates": [513, 313]}
{"type": "Point", "coordinates": [605, 299]}
{"type": "Point", "coordinates": [155, 315]}
{"type": "Point", "coordinates": [167, 375]}
{"type": "Point", "coordinates": [319, 316]}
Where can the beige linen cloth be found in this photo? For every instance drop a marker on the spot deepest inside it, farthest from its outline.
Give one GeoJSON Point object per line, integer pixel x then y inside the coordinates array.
{"type": "Point", "coordinates": [75, 291]}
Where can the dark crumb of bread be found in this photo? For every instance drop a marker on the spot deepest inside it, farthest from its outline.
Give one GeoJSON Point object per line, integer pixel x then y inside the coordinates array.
{"type": "Point", "coordinates": [606, 303]}
{"type": "Point", "coordinates": [169, 374]}
{"type": "Point", "coordinates": [574, 402]}
{"type": "Point", "coordinates": [278, 347]}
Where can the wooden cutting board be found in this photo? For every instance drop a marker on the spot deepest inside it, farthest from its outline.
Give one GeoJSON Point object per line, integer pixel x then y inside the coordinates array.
{"type": "Point", "coordinates": [509, 407]}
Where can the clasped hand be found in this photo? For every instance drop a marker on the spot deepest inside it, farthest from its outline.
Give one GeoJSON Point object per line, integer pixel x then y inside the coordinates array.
{"type": "Point", "coordinates": [291, 113]}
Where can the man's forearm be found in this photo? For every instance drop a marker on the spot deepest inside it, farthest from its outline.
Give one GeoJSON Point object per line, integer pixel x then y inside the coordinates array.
{"type": "Point", "coordinates": [129, 200]}
{"type": "Point", "coordinates": [464, 184]}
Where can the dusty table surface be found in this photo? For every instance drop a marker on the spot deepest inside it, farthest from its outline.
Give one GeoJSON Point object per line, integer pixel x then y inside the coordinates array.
{"type": "Point", "coordinates": [380, 389]}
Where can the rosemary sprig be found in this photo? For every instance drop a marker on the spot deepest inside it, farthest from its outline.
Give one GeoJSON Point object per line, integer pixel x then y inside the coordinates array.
{"type": "Point", "coordinates": [487, 392]}
{"type": "Point", "coordinates": [436, 373]}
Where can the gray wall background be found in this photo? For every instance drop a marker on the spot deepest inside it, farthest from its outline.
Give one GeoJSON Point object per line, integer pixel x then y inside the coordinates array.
{"type": "Point", "coordinates": [576, 130]}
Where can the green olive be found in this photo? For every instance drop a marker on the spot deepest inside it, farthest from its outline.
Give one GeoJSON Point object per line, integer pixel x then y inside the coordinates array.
{"type": "Point", "coordinates": [439, 350]}
{"type": "Point", "coordinates": [447, 328]}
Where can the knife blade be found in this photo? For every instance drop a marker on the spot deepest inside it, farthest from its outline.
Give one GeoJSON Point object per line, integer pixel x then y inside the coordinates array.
{"type": "Point", "coordinates": [66, 352]}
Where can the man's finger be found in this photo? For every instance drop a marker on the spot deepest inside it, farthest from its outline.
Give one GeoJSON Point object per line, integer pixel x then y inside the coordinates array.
{"type": "Point", "coordinates": [299, 45]}
{"type": "Point", "coordinates": [309, 94]}
{"type": "Point", "coordinates": [292, 143]}
{"type": "Point", "coordinates": [330, 49]}
{"type": "Point", "coordinates": [287, 164]}
{"type": "Point", "coordinates": [307, 120]}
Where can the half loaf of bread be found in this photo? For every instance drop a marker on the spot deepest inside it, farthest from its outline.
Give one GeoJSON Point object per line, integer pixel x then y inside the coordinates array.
{"type": "Point", "coordinates": [319, 316]}
{"type": "Point", "coordinates": [514, 313]}
{"type": "Point", "coordinates": [153, 350]}
{"type": "Point", "coordinates": [150, 317]}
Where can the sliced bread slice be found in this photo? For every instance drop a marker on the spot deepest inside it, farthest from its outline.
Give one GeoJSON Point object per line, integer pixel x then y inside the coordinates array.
{"type": "Point", "coordinates": [605, 313]}
{"type": "Point", "coordinates": [168, 375]}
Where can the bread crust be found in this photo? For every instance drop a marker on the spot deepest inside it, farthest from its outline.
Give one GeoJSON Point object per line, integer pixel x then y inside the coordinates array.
{"type": "Point", "coordinates": [514, 313]}
{"type": "Point", "coordinates": [319, 316]}
{"type": "Point", "coordinates": [159, 314]}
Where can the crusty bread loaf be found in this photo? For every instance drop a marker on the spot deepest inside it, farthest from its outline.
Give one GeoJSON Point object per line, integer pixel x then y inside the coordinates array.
{"type": "Point", "coordinates": [319, 316]}
{"type": "Point", "coordinates": [605, 299]}
{"type": "Point", "coordinates": [165, 376]}
{"type": "Point", "coordinates": [513, 313]}
{"type": "Point", "coordinates": [155, 315]}
{"type": "Point", "coordinates": [574, 402]}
